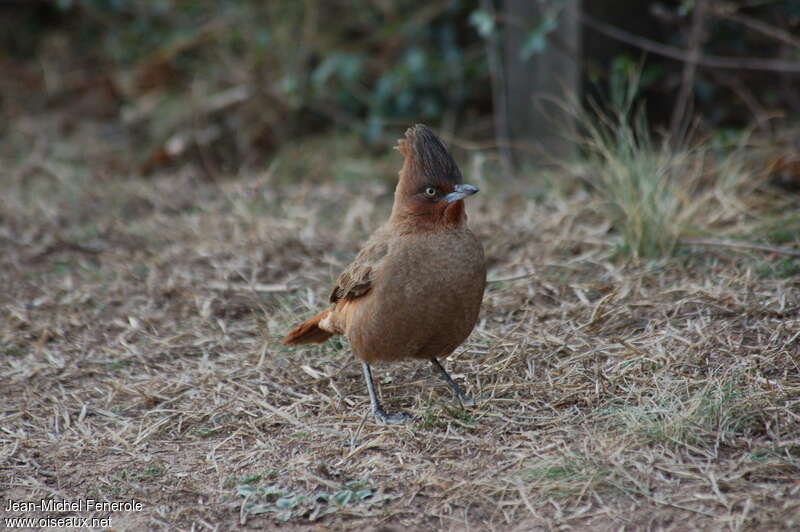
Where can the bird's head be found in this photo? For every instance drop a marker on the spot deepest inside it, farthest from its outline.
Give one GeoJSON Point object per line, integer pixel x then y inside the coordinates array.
{"type": "Point", "coordinates": [431, 190]}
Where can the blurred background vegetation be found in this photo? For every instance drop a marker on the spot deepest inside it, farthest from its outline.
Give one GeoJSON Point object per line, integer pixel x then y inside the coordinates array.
{"type": "Point", "coordinates": [152, 84]}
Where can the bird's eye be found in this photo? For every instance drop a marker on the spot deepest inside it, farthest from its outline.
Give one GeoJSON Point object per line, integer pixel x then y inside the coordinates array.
{"type": "Point", "coordinates": [430, 192]}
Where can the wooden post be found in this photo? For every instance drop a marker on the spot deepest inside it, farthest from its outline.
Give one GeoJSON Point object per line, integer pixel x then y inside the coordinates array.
{"type": "Point", "coordinates": [532, 84]}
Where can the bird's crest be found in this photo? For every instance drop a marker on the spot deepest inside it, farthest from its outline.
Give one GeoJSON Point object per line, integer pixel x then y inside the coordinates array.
{"type": "Point", "coordinates": [426, 157]}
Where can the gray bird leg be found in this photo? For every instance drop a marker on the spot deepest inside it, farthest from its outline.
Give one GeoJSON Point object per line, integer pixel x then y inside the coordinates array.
{"type": "Point", "coordinates": [381, 416]}
{"type": "Point", "coordinates": [463, 398]}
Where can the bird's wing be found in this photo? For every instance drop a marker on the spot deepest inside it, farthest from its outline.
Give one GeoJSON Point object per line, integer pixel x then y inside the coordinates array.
{"type": "Point", "coordinates": [357, 279]}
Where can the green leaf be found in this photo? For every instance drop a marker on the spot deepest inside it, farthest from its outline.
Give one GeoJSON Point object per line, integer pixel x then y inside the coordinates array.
{"type": "Point", "coordinates": [536, 41]}
{"type": "Point", "coordinates": [343, 497]}
{"type": "Point", "coordinates": [363, 494]}
{"type": "Point", "coordinates": [286, 503]}
{"type": "Point", "coordinates": [245, 490]}
{"type": "Point", "coordinates": [483, 21]}
{"type": "Point", "coordinates": [344, 66]}
{"type": "Point", "coordinates": [415, 60]}
{"type": "Point", "coordinates": [256, 509]}
{"type": "Point", "coordinates": [272, 490]}
{"type": "Point", "coordinates": [251, 478]}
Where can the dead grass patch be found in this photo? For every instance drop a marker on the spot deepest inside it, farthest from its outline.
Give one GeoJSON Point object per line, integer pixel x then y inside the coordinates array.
{"type": "Point", "coordinates": [138, 328]}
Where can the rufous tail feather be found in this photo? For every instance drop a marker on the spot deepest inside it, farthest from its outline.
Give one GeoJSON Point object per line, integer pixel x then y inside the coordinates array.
{"type": "Point", "coordinates": [308, 332]}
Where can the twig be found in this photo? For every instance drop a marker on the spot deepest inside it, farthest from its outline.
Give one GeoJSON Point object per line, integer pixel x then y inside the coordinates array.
{"type": "Point", "coordinates": [747, 97]}
{"type": "Point", "coordinates": [498, 95]}
{"type": "Point", "coordinates": [696, 38]}
{"type": "Point", "coordinates": [708, 61]}
{"type": "Point", "coordinates": [63, 245]}
{"type": "Point", "coordinates": [512, 278]}
{"type": "Point", "coordinates": [768, 30]}
{"type": "Point", "coordinates": [739, 245]}
{"type": "Point", "coordinates": [240, 287]}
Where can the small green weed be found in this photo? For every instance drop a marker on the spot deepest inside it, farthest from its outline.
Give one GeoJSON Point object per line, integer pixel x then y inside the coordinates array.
{"type": "Point", "coordinates": [783, 269]}
{"type": "Point", "coordinates": [284, 504]}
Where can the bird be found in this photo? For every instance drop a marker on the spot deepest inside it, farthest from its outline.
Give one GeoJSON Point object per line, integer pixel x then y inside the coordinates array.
{"type": "Point", "coordinates": [415, 289]}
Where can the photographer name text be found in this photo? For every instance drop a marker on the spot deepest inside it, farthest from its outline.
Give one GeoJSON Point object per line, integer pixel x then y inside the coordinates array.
{"type": "Point", "coordinates": [79, 505]}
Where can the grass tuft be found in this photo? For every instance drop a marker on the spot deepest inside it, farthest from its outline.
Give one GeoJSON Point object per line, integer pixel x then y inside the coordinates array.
{"type": "Point", "coordinates": [656, 192]}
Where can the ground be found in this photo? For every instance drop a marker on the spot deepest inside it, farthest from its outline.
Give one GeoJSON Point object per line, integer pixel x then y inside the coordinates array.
{"type": "Point", "coordinates": [139, 327]}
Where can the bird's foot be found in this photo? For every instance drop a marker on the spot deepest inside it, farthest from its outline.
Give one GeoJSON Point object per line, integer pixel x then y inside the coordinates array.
{"type": "Point", "coordinates": [385, 419]}
{"type": "Point", "coordinates": [466, 400]}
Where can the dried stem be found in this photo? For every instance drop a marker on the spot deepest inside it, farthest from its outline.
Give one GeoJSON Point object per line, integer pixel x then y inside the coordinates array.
{"type": "Point", "coordinates": [680, 115]}
{"type": "Point", "coordinates": [708, 61]}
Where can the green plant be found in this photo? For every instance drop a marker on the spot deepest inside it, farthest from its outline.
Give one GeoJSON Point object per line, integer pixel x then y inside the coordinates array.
{"type": "Point", "coordinates": [284, 504]}
{"type": "Point", "coordinates": [637, 178]}
{"type": "Point", "coordinates": [657, 191]}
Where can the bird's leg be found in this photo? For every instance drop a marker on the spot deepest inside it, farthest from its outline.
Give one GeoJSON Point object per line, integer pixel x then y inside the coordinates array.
{"type": "Point", "coordinates": [463, 398]}
{"type": "Point", "coordinates": [381, 416]}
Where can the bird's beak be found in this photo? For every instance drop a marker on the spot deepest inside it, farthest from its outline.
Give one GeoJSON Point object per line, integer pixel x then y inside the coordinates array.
{"type": "Point", "coordinates": [461, 192]}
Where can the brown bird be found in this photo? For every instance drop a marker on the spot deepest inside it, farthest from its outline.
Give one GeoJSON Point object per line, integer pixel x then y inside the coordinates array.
{"type": "Point", "coordinates": [415, 289]}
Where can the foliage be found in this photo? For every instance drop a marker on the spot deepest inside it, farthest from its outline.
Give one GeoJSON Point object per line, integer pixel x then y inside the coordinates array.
{"type": "Point", "coordinates": [237, 80]}
{"type": "Point", "coordinates": [655, 189]}
{"type": "Point", "coordinates": [304, 65]}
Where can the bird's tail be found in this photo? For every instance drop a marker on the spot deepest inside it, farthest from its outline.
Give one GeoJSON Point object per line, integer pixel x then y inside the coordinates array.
{"type": "Point", "coordinates": [309, 331]}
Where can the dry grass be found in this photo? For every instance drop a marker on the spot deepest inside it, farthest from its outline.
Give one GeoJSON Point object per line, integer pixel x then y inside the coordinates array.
{"type": "Point", "coordinates": [138, 327]}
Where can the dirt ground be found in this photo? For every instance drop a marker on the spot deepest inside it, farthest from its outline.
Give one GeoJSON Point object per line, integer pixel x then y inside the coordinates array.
{"type": "Point", "coordinates": [139, 360]}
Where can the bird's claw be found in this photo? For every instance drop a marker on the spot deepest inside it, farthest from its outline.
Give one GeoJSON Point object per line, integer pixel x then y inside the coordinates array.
{"type": "Point", "coordinates": [385, 419]}
{"type": "Point", "coordinates": [465, 400]}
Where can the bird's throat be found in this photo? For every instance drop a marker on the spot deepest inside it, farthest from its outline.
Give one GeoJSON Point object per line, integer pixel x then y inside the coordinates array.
{"type": "Point", "coordinates": [426, 216]}
{"type": "Point", "coordinates": [454, 213]}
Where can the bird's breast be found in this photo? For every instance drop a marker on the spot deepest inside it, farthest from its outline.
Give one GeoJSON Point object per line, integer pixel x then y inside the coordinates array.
{"type": "Point", "coordinates": [425, 301]}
